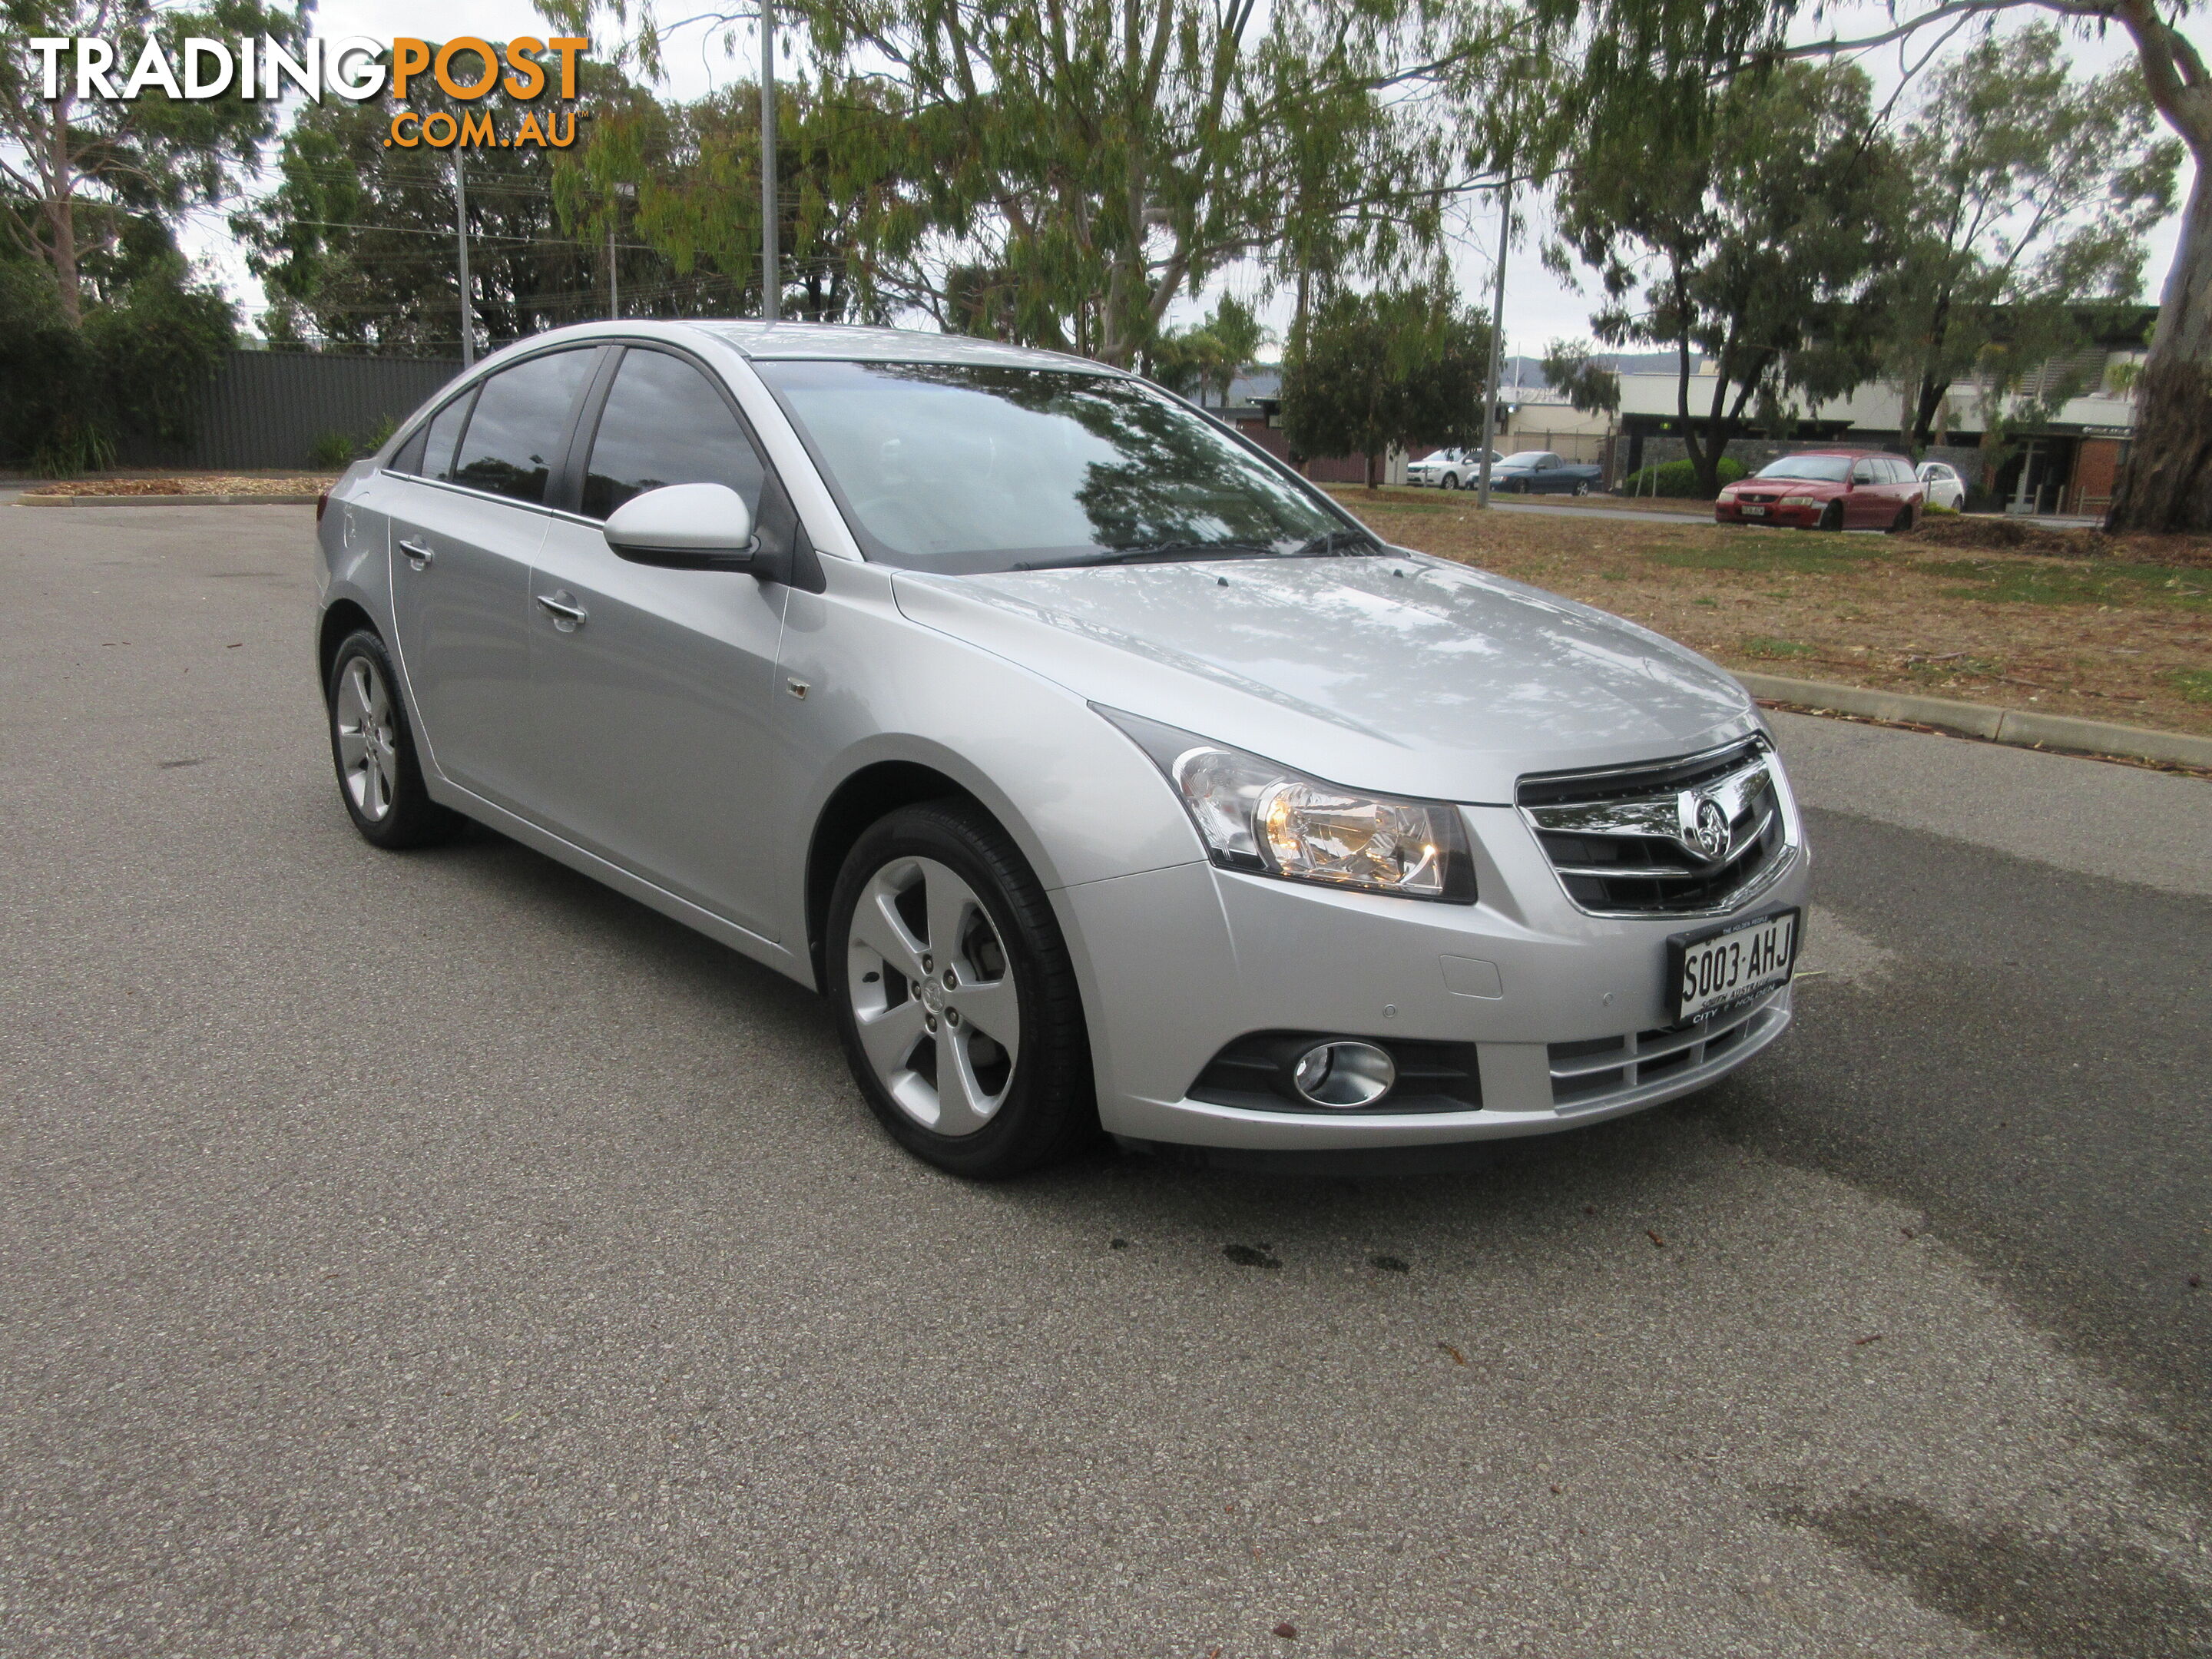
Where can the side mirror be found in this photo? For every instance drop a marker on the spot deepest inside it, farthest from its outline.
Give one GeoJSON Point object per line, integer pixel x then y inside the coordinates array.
{"type": "Point", "coordinates": [691, 526]}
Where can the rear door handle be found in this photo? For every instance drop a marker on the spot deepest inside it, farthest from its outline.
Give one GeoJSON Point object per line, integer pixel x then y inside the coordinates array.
{"type": "Point", "coordinates": [418, 553]}
{"type": "Point", "coordinates": [567, 616]}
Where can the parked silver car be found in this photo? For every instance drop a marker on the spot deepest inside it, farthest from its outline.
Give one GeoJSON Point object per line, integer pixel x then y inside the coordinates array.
{"type": "Point", "coordinates": [1096, 768]}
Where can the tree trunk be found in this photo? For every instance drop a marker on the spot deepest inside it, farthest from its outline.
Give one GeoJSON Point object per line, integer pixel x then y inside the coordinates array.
{"type": "Point", "coordinates": [2167, 484]}
{"type": "Point", "coordinates": [61, 218]}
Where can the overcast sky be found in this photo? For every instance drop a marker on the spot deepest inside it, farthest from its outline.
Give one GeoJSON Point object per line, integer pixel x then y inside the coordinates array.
{"type": "Point", "coordinates": [1539, 306]}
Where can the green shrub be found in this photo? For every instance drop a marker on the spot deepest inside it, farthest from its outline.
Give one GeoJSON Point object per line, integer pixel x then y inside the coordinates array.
{"type": "Point", "coordinates": [330, 451]}
{"type": "Point", "coordinates": [1678, 479]}
{"type": "Point", "coordinates": [68, 396]}
{"type": "Point", "coordinates": [1938, 508]}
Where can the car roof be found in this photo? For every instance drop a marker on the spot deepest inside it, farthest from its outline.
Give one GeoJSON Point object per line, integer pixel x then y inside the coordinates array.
{"type": "Point", "coordinates": [844, 343]}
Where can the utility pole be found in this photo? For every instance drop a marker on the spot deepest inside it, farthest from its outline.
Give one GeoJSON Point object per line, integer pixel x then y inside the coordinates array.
{"type": "Point", "coordinates": [624, 191]}
{"type": "Point", "coordinates": [1496, 333]}
{"type": "Point", "coordinates": [461, 241]}
{"type": "Point", "coordinates": [771, 284]}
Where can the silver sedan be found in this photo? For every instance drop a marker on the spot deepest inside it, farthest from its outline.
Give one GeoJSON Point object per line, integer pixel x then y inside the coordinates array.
{"type": "Point", "coordinates": [1100, 771]}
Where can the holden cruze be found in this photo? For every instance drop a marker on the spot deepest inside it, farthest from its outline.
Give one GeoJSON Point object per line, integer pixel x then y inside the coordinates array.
{"type": "Point", "coordinates": [1099, 770]}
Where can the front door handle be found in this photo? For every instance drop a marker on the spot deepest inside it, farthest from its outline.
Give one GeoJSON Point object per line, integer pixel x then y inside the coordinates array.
{"type": "Point", "coordinates": [567, 616]}
{"type": "Point", "coordinates": [418, 553]}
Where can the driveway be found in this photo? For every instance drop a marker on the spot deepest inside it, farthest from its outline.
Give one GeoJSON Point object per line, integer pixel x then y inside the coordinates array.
{"type": "Point", "coordinates": [438, 1253]}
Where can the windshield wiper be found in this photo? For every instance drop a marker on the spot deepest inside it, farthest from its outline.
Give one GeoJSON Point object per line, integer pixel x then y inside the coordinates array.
{"type": "Point", "coordinates": [1340, 543]}
{"type": "Point", "coordinates": [1162, 552]}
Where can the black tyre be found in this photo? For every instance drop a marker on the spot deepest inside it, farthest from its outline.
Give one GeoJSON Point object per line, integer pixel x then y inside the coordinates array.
{"type": "Point", "coordinates": [1451, 481]}
{"type": "Point", "coordinates": [1903, 520]}
{"type": "Point", "coordinates": [1833, 519]}
{"type": "Point", "coordinates": [1581, 487]}
{"type": "Point", "coordinates": [954, 996]}
{"type": "Point", "coordinates": [379, 779]}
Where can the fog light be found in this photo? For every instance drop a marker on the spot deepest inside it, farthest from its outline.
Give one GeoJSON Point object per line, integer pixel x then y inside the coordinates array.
{"type": "Point", "coordinates": [1343, 1076]}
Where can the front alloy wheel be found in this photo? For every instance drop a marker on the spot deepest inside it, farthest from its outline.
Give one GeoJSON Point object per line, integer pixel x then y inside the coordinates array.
{"type": "Point", "coordinates": [933, 999]}
{"type": "Point", "coordinates": [955, 996]}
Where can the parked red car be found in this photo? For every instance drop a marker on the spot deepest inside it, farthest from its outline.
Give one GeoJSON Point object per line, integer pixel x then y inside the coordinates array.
{"type": "Point", "coordinates": [1828, 490]}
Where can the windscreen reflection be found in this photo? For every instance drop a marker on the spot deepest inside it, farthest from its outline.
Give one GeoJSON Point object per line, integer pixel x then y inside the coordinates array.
{"type": "Point", "coordinates": [965, 468]}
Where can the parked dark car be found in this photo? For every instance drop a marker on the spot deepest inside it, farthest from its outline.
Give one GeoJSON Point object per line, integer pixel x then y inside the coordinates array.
{"type": "Point", "coordinates": [1539, 472]}
{"type": "Point", "coordinates": [1828, 490]}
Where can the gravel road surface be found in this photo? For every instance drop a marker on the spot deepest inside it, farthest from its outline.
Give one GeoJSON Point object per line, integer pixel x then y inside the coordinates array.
{"type": "Point", "coordinates": [439, 1254]}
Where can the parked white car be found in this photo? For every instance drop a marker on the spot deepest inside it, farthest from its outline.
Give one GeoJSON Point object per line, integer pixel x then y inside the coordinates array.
{"type": "Point", "coordinates": [1449, 468]}
{"type": "Point", "coordinates": [1945, 486]}
{"type": "Point", "coordinates": [1098, 769]}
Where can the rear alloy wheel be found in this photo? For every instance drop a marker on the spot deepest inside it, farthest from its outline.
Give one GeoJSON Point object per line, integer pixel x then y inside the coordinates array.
{"type": "Point", "coordinates": [1833, 519]}
{"type": "Point", "coordinates": [1903, 520]}
{"type": "Point", "coordinates": [1582, 486]}
{"type": "Point", "coordinates": [954, 995]}
{"type": "Point", "coordinates": [380, 778]}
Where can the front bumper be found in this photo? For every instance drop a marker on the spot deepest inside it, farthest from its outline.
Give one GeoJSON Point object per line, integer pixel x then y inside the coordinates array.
{"type": "Point", "coordinates": [1565, 1011]}
{"type": "Point", "coordinates": [1797, 518]}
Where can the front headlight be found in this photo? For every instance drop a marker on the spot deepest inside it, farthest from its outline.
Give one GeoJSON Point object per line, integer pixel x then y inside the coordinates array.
{"type": "Point", "coordinates": [1802, 500]}
{"type": "Point", "coordinates": [1258, 816]}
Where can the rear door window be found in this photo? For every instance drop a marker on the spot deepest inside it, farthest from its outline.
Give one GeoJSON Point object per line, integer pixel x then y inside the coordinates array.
{"type": "Point", "coordinates": [664, 423]}
{"type": "Point", "coordinates": [514, 438]}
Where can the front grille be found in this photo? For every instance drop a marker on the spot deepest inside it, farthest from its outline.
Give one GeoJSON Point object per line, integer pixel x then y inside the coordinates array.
{"type": "Point", "coordinates": [1600, 1070]}
{"type": "Point", "coordinates": [1432, 1077]}
{"type": "Point", "coordinates": [1624, 840]}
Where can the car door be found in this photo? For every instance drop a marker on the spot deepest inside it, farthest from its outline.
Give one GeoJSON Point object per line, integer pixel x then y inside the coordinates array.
{"type": "Point", "coordinates": [1867, 506]}
{"type": "Point", "coordinates": [652, 685]}
{"type": "Point", "coordinates": [1551, 475]}
{"type": "Point", "coordinates": [466, 523]}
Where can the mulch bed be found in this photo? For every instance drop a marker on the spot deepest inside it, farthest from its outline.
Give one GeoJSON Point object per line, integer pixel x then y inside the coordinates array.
{"type": "Point", "coordinates": [195, 484]}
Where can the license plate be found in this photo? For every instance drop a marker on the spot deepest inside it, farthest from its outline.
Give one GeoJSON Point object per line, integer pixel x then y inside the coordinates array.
{"type": "Point", "coordinates": [1716, 970]}
{"type": "Point", "coordinates": [1754, 512]}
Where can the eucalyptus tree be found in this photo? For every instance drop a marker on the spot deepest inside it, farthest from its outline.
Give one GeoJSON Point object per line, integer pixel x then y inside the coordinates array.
{"type": "Point", "coordinates": [2031, 192]}
{"type": "Point", "coordinates": [1098, 158]}
{"type": "Point", "coordinates": [1752, 238]}
{"type": "Point", "coordinates": [75, 171]}
{"type": "Point", "coordinates": [1649, 60]}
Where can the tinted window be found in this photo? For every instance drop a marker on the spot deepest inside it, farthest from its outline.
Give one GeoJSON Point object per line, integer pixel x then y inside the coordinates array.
{"type": "Point", "coordinates": [964, 467]}
{"type": "Point", "coordinates": [437, 459]}
{"type": "Point", "coordinates": [514, 439]}
{"type": "Point", "coordinates": [1863, 472]}
{"type": "Point", "coordinates": [664, 423]}
{"type": "Point", "coordinates": [407, 457]}
{"type": "Point", "coordinates": [1823, 469]}
{"type": "Point", "coordinates": [1527, 458]}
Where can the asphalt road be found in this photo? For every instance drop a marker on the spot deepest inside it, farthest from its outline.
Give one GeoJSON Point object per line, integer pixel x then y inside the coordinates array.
{"type": "Point", "coordinates": [440, 1255]}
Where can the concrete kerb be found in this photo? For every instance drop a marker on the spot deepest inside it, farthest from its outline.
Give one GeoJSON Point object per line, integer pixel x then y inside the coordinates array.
{"type": "Point", "coordinates": [2009, 726]}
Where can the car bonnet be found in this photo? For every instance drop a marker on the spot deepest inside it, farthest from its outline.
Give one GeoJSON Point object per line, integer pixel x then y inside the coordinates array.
{"type": "Point", "coordinates": [1401, 674]}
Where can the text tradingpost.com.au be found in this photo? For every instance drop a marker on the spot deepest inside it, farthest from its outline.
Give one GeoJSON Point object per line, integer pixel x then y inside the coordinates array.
{"type": "Point", "coordinates": [357, 68]}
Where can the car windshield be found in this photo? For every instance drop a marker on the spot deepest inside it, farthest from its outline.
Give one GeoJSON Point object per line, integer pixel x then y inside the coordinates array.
{"type": "Point", "coordinates": [963, 468]}
{"type": "Point", "coordinates": [1437, 457]}
{"type": "Point", "coordinates": [1822, 469]}
{"type": "Point", "coordinates": [1527, 458]}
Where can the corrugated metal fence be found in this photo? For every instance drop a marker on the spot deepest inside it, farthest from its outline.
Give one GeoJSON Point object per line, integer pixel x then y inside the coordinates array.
{"type": "Point", "coordinates": [266, 409]}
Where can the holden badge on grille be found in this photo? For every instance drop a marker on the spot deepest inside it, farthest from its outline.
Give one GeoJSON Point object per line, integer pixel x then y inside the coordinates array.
{"type": "Point", "coordinates": [1705, 830]}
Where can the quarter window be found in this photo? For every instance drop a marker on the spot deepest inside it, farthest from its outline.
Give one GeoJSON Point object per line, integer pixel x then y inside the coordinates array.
{"type": "Point", "coordinates": [514, 439]}
{"type": "Point", "coordinates": [437, 456]}
{"type": "Point", "coordinates": [664, 423]}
